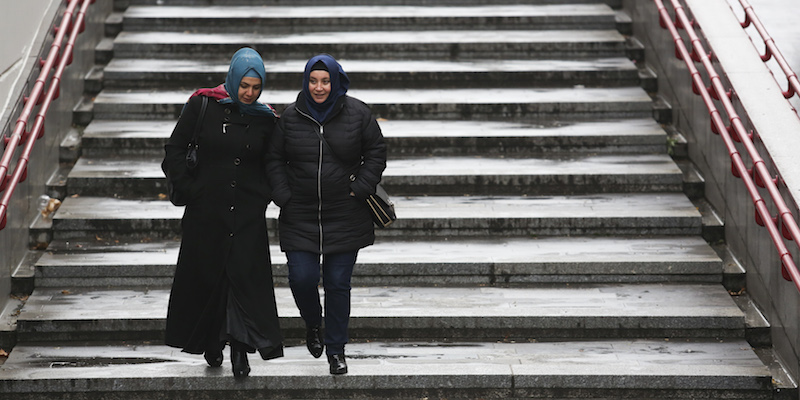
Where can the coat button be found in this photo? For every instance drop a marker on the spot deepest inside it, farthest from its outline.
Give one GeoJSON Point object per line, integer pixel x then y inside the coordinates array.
{"type": "Point", "coordinates": [232, 208]}
{"type": "Point", "coordinates": [237, 161]}
{"type": "Point", "coordinates": [233, 184]}
{"type": "Point", "coordinates": [227, 111]}
{"type": "Point", "coordinates": [231, 234]}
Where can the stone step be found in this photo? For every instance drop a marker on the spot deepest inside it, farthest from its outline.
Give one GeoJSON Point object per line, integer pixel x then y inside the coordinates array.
{"type": "Point", "coordinates": [607, 369]}
{"type": "Point", "coordinates": [123, 4]}
{"type": "Point", "coordinates": [383, 74]}
{"type": "Point", "coordinates": [424, 217]}
{"type": "Point", "coordinates": [424, 138]}
{"type": "Point", "coordinates": [455, 262]}
{"type": "Point", "coordinates": [387, 45]}
{"type": "Point", "coordinates": [304, 19]}
{"type": "Point", "coordinates": [547, 312]}
{"type": "Point", "coordinates": [522, 105]}
{"type": "Point", "coordinates": [138, 177]}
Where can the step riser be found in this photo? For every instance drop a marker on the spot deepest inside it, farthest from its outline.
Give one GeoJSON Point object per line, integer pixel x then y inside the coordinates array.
{"type": "Point", "coordinates": [306, 25]}
{"type": "Point", "coordinates": [383, 51]}
{"type": "Point", "coordinates": [387, 80]}
{"type": "Point", "coordinates": [416, 329]}
{"type": "Point", "coordinates": [484, 185]}
{"type": "Point", "coordinates": [275, 387]}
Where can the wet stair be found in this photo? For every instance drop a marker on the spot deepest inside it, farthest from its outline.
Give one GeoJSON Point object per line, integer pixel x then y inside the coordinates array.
{"type": "Point", "coordinates": [546, 246]}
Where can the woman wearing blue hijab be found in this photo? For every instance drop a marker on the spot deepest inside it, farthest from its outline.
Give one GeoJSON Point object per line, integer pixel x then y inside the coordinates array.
{"type": "Point", "coordinates": [222, 291]}
{"type": "Point", "coordinates": [322, 190]}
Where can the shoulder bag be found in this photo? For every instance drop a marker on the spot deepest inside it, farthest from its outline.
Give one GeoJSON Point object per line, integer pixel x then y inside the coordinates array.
{"type": "Point", "coordinates": [380, 206]}
{"type": "Point", "coordinates": [176, 197]}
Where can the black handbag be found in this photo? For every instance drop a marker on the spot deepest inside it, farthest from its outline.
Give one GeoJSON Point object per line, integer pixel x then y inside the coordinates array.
{"type": "Point", "coordinates": [380, 206]}
{"type": "Point", "coordinates": [177, 197]}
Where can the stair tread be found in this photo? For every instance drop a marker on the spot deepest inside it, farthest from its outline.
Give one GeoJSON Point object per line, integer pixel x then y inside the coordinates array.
{"type": "Point", "coordinates": [590, 364]}
{"type": "Point", "coordinates": [673, 206]}
{"type": "Point", "coordinates": [422, 128]}
{"type": "Point", "coordinates": [576, 95]}
{"type": "Point", "coordinates": [599, 305]}
{"type": "Point", "coordinates": [249, 13]}
{"type": "Point", "coordinates": [119, 67]}
{"type": "Point", "coordinates": [589, 254]}
{"type": "Point", "coordinates": [420, 168]}
{"type": "Point", "coordinates": [375, 37]}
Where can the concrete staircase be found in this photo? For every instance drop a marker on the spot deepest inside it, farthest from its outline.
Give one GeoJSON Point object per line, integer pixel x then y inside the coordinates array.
{"type": "Point", "coordinates": [546, 246]}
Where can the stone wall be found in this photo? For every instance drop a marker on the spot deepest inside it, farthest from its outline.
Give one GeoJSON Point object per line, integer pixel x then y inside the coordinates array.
{"type": "Point", "coordinates": [27, 31]}
{"type": "Point", "coordinates": [777, 136]}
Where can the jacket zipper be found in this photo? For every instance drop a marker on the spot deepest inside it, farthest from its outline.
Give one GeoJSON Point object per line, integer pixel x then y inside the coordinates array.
{"type": "Point", "coordinates": [319, 177]}
{"type": "Point", "coordinates": [319, 189]}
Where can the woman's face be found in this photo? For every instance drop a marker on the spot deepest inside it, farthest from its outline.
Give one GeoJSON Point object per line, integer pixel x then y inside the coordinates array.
{"type": "Point", "coordinates": [249, 89]}
{"type": "Point", "coordinates": [319, 84]}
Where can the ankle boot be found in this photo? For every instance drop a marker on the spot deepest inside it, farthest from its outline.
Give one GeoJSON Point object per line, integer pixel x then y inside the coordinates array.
{"type": "Point", "coordinates": [338, 364]}
{"type": "Point", "coordinates": [314, 341]}
{"type": "Point", "coordinates": [241, 367]}
{"type": "Point", "coordinates": [213, 357]}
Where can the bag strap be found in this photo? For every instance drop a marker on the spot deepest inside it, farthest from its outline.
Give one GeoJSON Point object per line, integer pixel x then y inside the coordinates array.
{"type": "Point", "coordinates": [200, 117]}
{"type": "Point", "coordinates": [325, 142]}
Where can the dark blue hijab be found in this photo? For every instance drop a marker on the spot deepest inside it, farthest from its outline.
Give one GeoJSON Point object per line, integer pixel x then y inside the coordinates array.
{"type": "Point", "coordinates": [339, 85]}
{"type": "Point", "coordinates": [246, 62]}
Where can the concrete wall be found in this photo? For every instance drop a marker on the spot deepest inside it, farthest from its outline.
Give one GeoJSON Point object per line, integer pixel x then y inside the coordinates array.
{"type": "Point", "coordinates": [761, 108]}
{"type": "Point", "coordinates": [26, 29]}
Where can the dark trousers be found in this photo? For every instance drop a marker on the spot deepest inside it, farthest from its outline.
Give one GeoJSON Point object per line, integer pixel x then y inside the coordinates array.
{"type": "Point", "coordinates": [304, 275]}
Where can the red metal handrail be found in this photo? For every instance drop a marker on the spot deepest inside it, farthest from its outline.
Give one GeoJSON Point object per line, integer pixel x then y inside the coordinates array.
{"type": "Point", "coordinates": [771, 49]}
{"type": "Point", "coordinates": [38, 96]}
{"type": "Point", "coordinates": [759, 175]}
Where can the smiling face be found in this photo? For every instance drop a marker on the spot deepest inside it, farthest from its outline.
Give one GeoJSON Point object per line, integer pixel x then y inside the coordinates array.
{"type": "Point", "coordinates": [319, 84]}
{"type": "Point", "coordinates": [249, 89]}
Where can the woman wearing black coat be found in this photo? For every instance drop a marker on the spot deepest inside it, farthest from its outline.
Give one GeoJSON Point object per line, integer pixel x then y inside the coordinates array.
{"type": "Point", "coordinates": [223, 290]}
{"type": "Point", "coordinates": [322, 191]}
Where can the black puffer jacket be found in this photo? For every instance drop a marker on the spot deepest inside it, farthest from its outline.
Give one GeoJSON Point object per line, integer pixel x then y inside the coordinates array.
{"type": "Point", "coordinates": [312, 185]}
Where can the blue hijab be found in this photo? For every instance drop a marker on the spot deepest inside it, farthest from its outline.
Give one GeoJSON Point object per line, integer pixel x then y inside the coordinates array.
{"type": "Point", "coordinates": [339, 85]}
{"type": "Point", "coordinates": [246, 62]}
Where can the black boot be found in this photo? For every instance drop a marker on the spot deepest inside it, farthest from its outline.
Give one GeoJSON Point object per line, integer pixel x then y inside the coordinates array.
{"type": "Point", "coordinates": [241, 367]}
{"type": "Point", "coordinates": [314, 340]}
{"type": "Point", "coordinates": [338, 364]}
{"type": "Point", "coordinates": [213, 357]}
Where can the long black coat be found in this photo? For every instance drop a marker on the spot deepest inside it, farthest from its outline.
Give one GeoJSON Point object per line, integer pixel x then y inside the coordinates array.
{"type": "Point", "coordinates": [312, 186]}
{"type": "Point", "coordinates": [225, 246]}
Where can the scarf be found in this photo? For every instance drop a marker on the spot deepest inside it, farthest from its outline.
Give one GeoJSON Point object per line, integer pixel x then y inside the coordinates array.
{"type": "Point", "coordinates": [339, 85]}
{"type": "Point", "coordinates": [245, 62]}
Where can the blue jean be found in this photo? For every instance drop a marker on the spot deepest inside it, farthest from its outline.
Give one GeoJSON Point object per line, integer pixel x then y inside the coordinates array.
{"type": "Point", "coordinates": [304, 275]}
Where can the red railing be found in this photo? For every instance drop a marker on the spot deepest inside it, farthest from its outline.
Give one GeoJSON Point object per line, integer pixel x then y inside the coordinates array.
{"type": "Point", "coordinates": [770, 50]}
{"type": "Point", "coordinates": [38, 97]}
{"type": "Point", "coordinates": [759, 175]}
